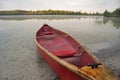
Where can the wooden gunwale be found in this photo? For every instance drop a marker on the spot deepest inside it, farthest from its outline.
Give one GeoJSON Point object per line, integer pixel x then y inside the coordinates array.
{"type": "Point", "coordinates": [71, 67]}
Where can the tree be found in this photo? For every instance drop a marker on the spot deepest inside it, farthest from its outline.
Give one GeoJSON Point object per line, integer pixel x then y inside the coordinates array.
{"type": "Point", "coordinates": [106, 13]}
{"type": "Point", "coordinates": [116, 12]}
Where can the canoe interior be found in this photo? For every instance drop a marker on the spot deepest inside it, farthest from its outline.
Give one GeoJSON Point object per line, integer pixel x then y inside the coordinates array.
{"type": "Point", "coordinates": [63, 46]}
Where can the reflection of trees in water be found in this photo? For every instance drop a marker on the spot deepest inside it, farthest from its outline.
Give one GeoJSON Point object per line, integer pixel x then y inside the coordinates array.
{"type": "Point", "coordinates": [114, 20]}
{"type": "Point", "coordinates": [46, 17]}
{"type": "Point", "coordinates": [97, 19]}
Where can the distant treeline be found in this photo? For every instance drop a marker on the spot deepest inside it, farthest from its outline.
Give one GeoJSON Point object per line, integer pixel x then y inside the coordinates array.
{"type": "Point", "coordinates": [115, 13]}
{"type": "Point", "coordinates": [45, 12]}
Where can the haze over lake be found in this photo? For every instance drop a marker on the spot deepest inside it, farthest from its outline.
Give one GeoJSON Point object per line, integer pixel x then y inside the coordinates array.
{"type": "Point", "coordinates": [19, 58]}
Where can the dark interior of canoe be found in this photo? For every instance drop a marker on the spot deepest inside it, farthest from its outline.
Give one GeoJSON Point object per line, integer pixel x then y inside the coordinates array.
{"type": "Point", "coordinates": [63, 46]}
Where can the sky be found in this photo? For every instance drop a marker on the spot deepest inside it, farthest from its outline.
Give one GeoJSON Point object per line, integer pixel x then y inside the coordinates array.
{"type": "Point", "coordinates": [73, 5]}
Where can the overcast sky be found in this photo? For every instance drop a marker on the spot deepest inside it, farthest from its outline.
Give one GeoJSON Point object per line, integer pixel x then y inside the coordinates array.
{"type": "Point", "coordinates": [74, 5]}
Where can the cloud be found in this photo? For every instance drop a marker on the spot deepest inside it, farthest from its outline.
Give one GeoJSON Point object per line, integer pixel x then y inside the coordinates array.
{"type": "Point", "coordinates": [76, 5]}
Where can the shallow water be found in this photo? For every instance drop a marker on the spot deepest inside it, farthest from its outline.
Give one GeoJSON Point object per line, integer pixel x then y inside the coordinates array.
{"type": "Point", "coordinates": [19, 59]}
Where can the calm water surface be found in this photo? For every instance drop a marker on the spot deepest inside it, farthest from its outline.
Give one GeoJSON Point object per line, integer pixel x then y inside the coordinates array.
{"type": "Point", "coordinates": [19, 58]}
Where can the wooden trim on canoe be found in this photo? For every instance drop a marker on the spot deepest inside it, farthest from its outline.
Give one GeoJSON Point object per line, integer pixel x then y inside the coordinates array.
{"type": "Point", "coordinates": [69, 66]}
{"type": "Point", "coordinates": [85, 72]}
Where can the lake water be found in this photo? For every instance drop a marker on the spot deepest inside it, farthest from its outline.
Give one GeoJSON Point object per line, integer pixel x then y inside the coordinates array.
{"type": "Point", "coordinates": [19, 59]}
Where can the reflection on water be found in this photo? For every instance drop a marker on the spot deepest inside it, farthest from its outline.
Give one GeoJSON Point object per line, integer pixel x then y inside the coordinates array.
{"type": "Point", "coordinates": [88, 29]}
{"type": "Point", "coordinates": [114, 20]}
{"type": "Point", "coordinates": [47, 17]}
{"type": "Point", "coordinates": [18, 55]}
{"type": "Point", "coordinates": [98, 19]}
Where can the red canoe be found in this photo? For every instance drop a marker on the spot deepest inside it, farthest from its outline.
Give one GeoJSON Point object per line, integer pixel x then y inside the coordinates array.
{"type": "Point", "coordinates": [68, 58]}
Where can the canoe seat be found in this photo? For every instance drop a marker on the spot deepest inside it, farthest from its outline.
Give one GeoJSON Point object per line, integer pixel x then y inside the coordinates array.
{"type": "Point", "coordinates": [62, 47]}
{"type": "Point", "coordinates": [48, 33]}
{"type": "Point", "coordinates": [58, 45]}
{"type": "Point", "coordinates": [65, 53]}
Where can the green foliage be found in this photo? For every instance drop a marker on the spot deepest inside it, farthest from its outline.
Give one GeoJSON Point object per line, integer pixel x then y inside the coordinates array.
{"type": "Point", "coordinates": [115, 13]}
{"type": "Point", "coordinates": [14, 12]}
{"type": "Point", "coordinates": [45, 12]}
{"type": "Point", "coordinates": [106, 13]}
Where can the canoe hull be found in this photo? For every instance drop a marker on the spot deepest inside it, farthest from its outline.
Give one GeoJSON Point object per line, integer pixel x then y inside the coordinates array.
{"type": "Point", "coordinates": [81, 65]}
{"type": "Point", "coordinates": [61, 71]}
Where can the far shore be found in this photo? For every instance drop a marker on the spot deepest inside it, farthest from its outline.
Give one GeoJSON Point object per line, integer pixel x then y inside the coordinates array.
{"type": "Point", "coordinates": [115, 13]}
